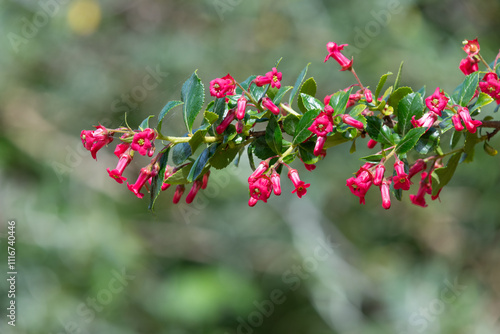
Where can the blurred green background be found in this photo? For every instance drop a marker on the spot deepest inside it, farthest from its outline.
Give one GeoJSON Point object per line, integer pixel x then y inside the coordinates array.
{"type": "Point", "coordinates": [92, 259]}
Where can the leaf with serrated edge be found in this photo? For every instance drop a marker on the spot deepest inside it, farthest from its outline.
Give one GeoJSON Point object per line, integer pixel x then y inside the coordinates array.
{"type": "Point", "coordinates": [409, 140]}
{"type": "Point", "coordinates": [193, 96]}
{"type": "Point", "coordinates": [298, 82]}
{"type": "Point", "coordinates": [279, 95]}
{"type": "Point", "coordinates": [308, 87]}
{"type": "Point", "coordinates": [381, 83]}
{"type": "Point", "coordinates": [410, 105]}
{"type": "Point", "coordinates": [310, 102]}
{"type": "Point", "coordinates": [223, 156]}
{"type": "Point", "coordinates": [274, 136]}
{"type": "Point", "coordinates": [200, 164]}
{"type": "Point", "coordinates": [169, 106]}
{"type": "Point", "coordinates": [157, 180]}
{"type": "Point", "coordinates": [301, 132]}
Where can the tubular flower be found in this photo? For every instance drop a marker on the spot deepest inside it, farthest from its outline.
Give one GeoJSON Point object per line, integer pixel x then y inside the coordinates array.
{"type": "Point", "coordinates": [416, 168]}
{"type": "Point", "coordinates": [205, 180]}
{"type": "Point", "coordinates": [371, 143]}
{"type": "Point", "coordinates": [123, 162]}
{"type": "Point", "coordinates": [225, 123]}
{"type": "Point", "coordinates": [353, 98]}
{"type": "Point", "coordinates": [401, 180]}
{"type": "Point", "coordinates": [169, 171]}
{"type": "Point", "coordinates": [468, 66]}
{"type": "Point", "coordinates": [360, 184]}
{"type": "Point", "coordinates": [179, 190]}
{"type": "Point", "coordinates": [275, 180]}
{"type": "Point", "coordinates": [425, 121]}
{"type": "Point", "coordinates": [267, 103]}
{"type": "Point", "coordinates": [97, 139]}
{"type": "Point", "coordinates": [273, 77]}
{"type": "Point", "coordinates": [121, 148]}
{"type": "Point", "coordinates": [386, 197]}
{"type": "Point", "coordinates": [419, 198]}
{"type": "Point", "coordinates": [261, 169]}
{"type": "Point", "coordinates": [347, 119]}
{"type": "Point", "coordinates": [470, 124]}
{"type": "Point", "coordinates": [471, 47]}
{"type": "Point", "coordinates": [142, 141]}
{"type": "Point", "coordinates": [194, 190]}
{"type": "Point", "coordinates": [379, 174]}
{"type": "Point", "coordinates": [241, 107]}
{"type": "Point", "coordinates": [491, 85]}
{"type": "Point", "coordinates": [334, 51]}
{"type": "Point", "coordinates": [261, 188]}
{"type": "Point", "coordinates": [457, 122]}
{"type": "Point", "coordinates": [368, 95]}
{"type": "Point", "coordinates": [436, 102]}
{"type": "Point", "coordinates": [318, 147]}
{"type": "Point", "coordinates": [322, 125]}
{"type": "Point", "coordinates": [222, 87]}
{"type": "Point", "coordinates": [300, 186]}
{"type": "Point", "coordinates": [145, 175]}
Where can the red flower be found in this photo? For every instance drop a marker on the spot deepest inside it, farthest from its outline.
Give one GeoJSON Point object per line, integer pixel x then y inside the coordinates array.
{"type": "Point", "coordinates": [300, 186]}
{"type": "Point", "coordinates": [310, 167]}
{"type": "Point", "coordinates": [318, 147]}
{"type": "Point", "coordinates": [468, 66]}
{"type": "Point", "coordinates": [401, 180]}
{"type": "Point", "coordinates": [194, 190]}
{"type": "Point", "coordinates": [121, 148]}
{"type": "Point", "coordinates": [471, 47]}
{"type": "Point", "coordinates": [379, 174]}
{"type": "Point", "coordinates": [371, 143]}
{"type": "Point", "coordinates": [222, 87]}
{"type": "Point", "coordinates": [275, 180]}
{"type": "Point", "coordinates": [437, 102]}
{"type": "Point", "coordinates": [360, 184]}
{"type": "Point", "coordinates": [205, 180]}
{"type": "Point", "coordinates": [225, 123]}
{"type": "Point", "coordinates": [386, 196]}
{"type": "Point", "coordinates": [334, 51]}
{"type": "Point", "coordinates": [142, 141]}
{"type": "Point", "coordinates": [267, 103]}
{"type": "Point", "coordinates": [261, 188]}
{"type": "Point", "coordinates": [322, 125]}
{"type": "Point", "coordinates": [457, 122]}
{"type": "Point", "coordinates": [169, 171]}
{"type": "Point", "coordinates": [417, 167]}
{"type": "Point", "coordinates": [240, 107]}
{"type": "Point", "coordinates": [347, 119]}
{"type": "Point", "coordinates": [145, 175]}
{"type": "Point", "coordinates": [470, 124]}
{"type": "Point", "coordinates": [273, 77]}
{"type": "Point", "coordinates": [368, 95]}
{"type": "Point", "coordinates": [261, 169]}
{"type": "Point", "coordinates": [97, 139]}
{"type": "Point", "coordinates": [491, 86]}
{"type": "Point", "coordinates": [123, 162]}
{"type": "Point", "coordinates": [179, 190]}
{"type": "Point", "coordinates": [426, 121]}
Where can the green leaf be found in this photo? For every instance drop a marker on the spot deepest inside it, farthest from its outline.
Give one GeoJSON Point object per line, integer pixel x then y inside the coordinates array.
{"type": "Point", "coordinates": [409, 140]}
{"type": "Point", "coordinates": [396, 96]}
{"type": "Point", "coordinates": [200, 163]}
{"type": "Point", "coordinates": [471, 140]}
{"type": "Point", "coordinates": [261, 149]}
{"type": "Point", "coordinates": [441, 176]}
{"type": "Point", "coordinates": [145, 123]}
{"type": "Point", "coordinates": [180, 153]}
{"type": "Point", "coordinates": [223, 156]}
{"type": "Point", "coordinates": [220, 108]}
{"type": "Point", "coordinates": [279, 95]}
{"type": "Point", "coordinates": [410, 105]}
{"type": "Point", "coordinates": [455, 139]}
{"type": "Point", "coordinates": [274, 136]}
{"type": "Point", "coordinates": [381, 84]}
{"type": "Point", "coordinates": [339, 101]}
{"type": "Point", "coordinates": [308, 87]}
{"type": "Point", "coordinates": [428, 141]}
{"type": "Point", "coordinates": [197, 139]}
{"type": "Point", "coordinates": [334, 140]}
{"type": "Point", "coordinates": [193, 96]}
{"type": "Point", "coordinates": [169, 106]}
{"type": "Point", "coordinates": [301, 132]}
{"type": "Point", "coordinates": [298, 82]}
{"type": "Point", "coordinates": [180, 176]}
{"type": "Point", "coordinates": [353, 147]}
{"type": "Point", "coordinates": [157, 180]}
{"type": "Point", "coordinates": [398, 77]}
{"type": "Point", "coordinates": [357, 110]}
{"type": "Point", "coordinates": [306, 152]}
{"type": "Point", "coordinates": [482, 100]}
{"type": "Point", "coordinates": [250, 156]}
{"type": "Point", "coordinates": [310, 103]}
{"type": "Point", "coordinates": [490, 150]}
{"type": "Point", "coordinates": [374, 158]}
{"type": "Point", "coordinates": [379, 131]}
{"type": "Point", "coordinates": [464, 93]}
{"type": "Point", "coordinates": [211, 117]}
{"type": "Point", "coordinates": [290, 124]}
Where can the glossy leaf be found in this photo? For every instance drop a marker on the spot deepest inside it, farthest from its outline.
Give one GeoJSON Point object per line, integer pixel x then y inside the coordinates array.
{"type": "Point", "coordinates": [145, 123]}
{"type": "Point", "coordinates": [197, 139]}
{"type": "Point", "coordinates": [381, 84]}
{"type": "Point", "coordinates": [279, 95]}
{"type": "Point", "coordinates": [306, 153]}
{"type": "Point", "coordinates": [339, 101]}
{"type": "Point", "coordinates": [193, 96]}
{"type": "Point", "coordinates": [379, 131]}
{"type": "Point", "coordinates": [471, 140]}
{"type": "Point", "coordinates": [298, 84]}
{"type": "Point", "coordinates": [180, 153]}
{"type": "Point", "coordinates": [308, 87]}
{"type": "Point", "coordinates": [374, 158]}
{"type": "Point", "coordinates": [290, 124]}
{"type": "Point", "coordinates": [310, 103]}
{"type": "Point", "coordinates": [301, 132]}
{"type": "Point", "coordinates": [200, 163]}
{"type": "Point", "coordinates": [428, 141]}
{"type": "Point", "coordinates": [482, 100]}
{"type": "Point", "coordinates": [169, 106]}
{"type": "Point", "coordinates": [396, 96]}
{"type": "Point", "coordinates": [464, 93]}
{"type": "Point", "coordinates": [223, 156]}
{"type": "Point", "coordinates": [157, 180]}
{"type": "Point", "coordinates": [409, 140]}
{"type": "Point", "coordinates": [410, 105]}
{"type": "Point", "coordinates": [398, 77]}
{"type": "Point", "coordinates": [274, 136]}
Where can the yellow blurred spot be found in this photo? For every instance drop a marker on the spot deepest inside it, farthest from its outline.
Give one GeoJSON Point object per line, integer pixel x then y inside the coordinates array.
{"type": "Point", "coordinates": [84, 16]}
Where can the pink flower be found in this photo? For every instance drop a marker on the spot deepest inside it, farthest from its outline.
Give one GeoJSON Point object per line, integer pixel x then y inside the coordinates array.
{"type": "Point", "coordinates": [145, 175]}
{"type": "Point", "coordinates": [327, 99]}
{"type": "Point", "coordinates": [142, 141]}
{"type": "Point", "coordinates": [221, 87]}
{"type": "Point", "coordinates": [241, 107]}
{"type": "Point", "coordinates": [379, 174]}
{"type": "Point", "coordinates": [194, 190]}
{"type": "Point", "coordinates": [468, 66]}
{"type": "Point", "coordinates": [225, 123]}
{"type": "Point", "coordinates": [368, 95]}
{"type": "Point", "coordinates": [437, 102]}
{"type": "Point", "coordinates": [418, 166]}
{"type": "Point", "coordinates": [371, 143]}
{"type": "Point", "coordinates": [322, 125]}
{"type": "Point", "coordinates": [424, 188]}
{"type": "Point", "coordinates": [347, 119]}
{"type": "Point", "coordinates": [273, 77]}
{"type": "Point", "coordinates": [169, 171]}
{"type": "Point", "coordinates": [267, 103]}
{"type": "Point", "coordinates": [179, 190]}
{"type": "Point", "coordinates": [360, 184]}
{"type": "Point", "coordinates": [97, 139]}
{"type": "Point", "coordinates": [205, 180]}
{"type": "Point", "coordinates": [121, 148]}
{"type": "Point", "coordinates": [426, 121]}
{"type": "Point", "coordinates": [386, 197]}
{"type": "Point", "coordinates": [353, 98]}
{"type": "Point", "coordinates": [334, 51]}
{"type": "Point", "coordinates": [275, 180]}
{"type": "Point", "coordinates": [300, 186]}
{"type": "Point", "coordinates": [457, 122]}
{"type": "Point", "coordinates": [318, 147]}
{"type": "Point", "coordinates": [470, 124]}
{"type": "Point", "coordinates": [261, 188]}
{"type": "Point", "coordinates": [329, 110]}
{"type": "Point", "coordinates": [401, 180]}
{"type": "Point", "coordinates": [310, 167]}
{"type": "Point", "coordinates": [261, 169]}
{"type": "Point", "coordinates": [491, 86]}
{"type": "Point", "coordinates": [471, 47]}
{"type": "Point", "coordinates": [123, 162]}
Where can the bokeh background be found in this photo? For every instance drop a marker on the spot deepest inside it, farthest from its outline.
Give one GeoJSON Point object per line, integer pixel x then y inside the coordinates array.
{"type": "Point", "coordinates": [92, 259]}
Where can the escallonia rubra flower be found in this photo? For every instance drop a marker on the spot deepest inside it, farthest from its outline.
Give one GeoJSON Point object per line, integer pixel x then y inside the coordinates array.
{"type": "Point", "coordinates": [335, 52]}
